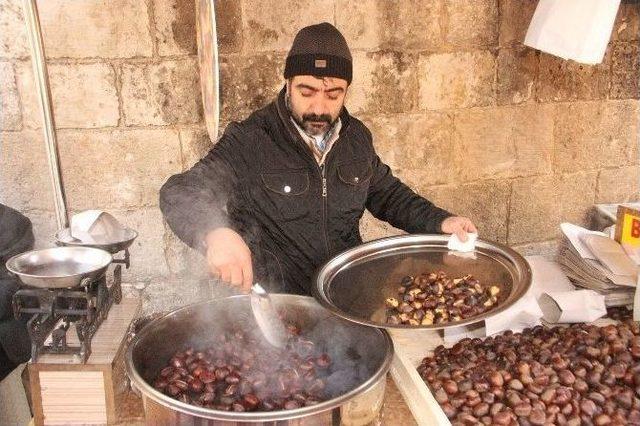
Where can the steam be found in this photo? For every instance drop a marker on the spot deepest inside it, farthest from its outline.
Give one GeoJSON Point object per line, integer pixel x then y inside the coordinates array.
{"type": "Point", "coordinates": [354, 355]}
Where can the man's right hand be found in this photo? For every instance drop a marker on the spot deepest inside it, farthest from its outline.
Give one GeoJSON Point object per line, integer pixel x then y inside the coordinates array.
{"type": "Point", "coordinates": [229, 258]}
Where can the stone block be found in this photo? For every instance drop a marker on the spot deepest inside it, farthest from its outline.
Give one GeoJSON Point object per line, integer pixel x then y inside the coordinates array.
{"type": "Point", "coordinates": [183, 261]}
{"type": "Point", "coordinates": [249, 83]}
{"type": "Point", "coordinates": [625, 71]}
{"type": "Point", "coordinates": [627, 24]}
{"type": "Point", "coordinates": [562, 80]}
{"type": "Point", "coordinates": [147, 251]}
{"type": "Point", "coordinates": [546, 249]}
{"type": "Point", "coordinates": [373, 229]}
{"type": "Point", "coordinates": [271, 27]}
{"type": "Point", "coordinates": [13, 34]}
{"type": "Point", "coordinates": [84, 95]}
{"type": "Point", "coordinates": [229, 26]}
{"type": "Point", "coordinates": [45, 226]}
{"type": "Point", "coordinates": [383, 82]}
{"type": "Point", "coordinates": [515, 17]}
{"type": "Point", "coordinates": [471, 23]}
{"type": "Point", "coordinates": [10, 114]}
{"type": "Point", "coordinates": [175, 26]}
{"type": "Point", "coordinates": [517, 71]}
{"type": "Point", "coordinates": [456, 80]}
{"type": "Point", "coordinates": [31, 115]}
{"type": "Point", "coordinates": [361, 22]}
{"type": "Point", "coordinates": [195, 143]}
{"type": "Point", "coordinates": [593, 135]}
{"type": "Point", "coordinates": [504, 142]}
{"type": "Point", "coordinates": [540, 204]}
{"type": "Point", "coordinates": [485, 203]}
{"type": "Point", "coordinates": [162, 93]}
{"type": "Point", "coordinates": [24, 172]}
{"type": "Point", "coordinates": [533, 210]}
{"type": "Point", "coordinates": [89, 29]}
{"type": "Point", "coordinates": [417, 147]}
{"type": "Point", "coordinates": [391, 25]}
{"type": "Point", "coordinates": [119, 168]}
{"type": "Point", "coordinates": [618, 185]}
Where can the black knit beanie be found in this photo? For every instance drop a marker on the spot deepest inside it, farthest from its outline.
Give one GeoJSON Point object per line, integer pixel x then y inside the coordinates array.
{"type": "Point", "coordinates": [319, 50]}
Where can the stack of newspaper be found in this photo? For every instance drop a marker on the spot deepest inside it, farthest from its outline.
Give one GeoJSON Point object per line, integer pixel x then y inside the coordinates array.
{"type": "Point", "coordinates": [587, 265]}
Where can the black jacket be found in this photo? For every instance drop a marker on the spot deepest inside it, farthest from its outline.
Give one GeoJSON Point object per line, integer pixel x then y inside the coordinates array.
{"type": "Point", "coordinates": [262, 180]}
{"type": "Point", "coordinates": [16, 236]}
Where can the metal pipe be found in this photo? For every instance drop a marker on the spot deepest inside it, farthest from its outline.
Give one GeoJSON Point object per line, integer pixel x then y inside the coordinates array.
{"type": "Point", "coordinates": [38, 60]}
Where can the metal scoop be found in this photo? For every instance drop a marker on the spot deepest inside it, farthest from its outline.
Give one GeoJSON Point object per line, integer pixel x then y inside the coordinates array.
{"type": "Point", "coordinates": [267, 318]}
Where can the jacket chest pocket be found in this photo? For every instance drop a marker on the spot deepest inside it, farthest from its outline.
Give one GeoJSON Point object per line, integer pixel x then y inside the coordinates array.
{"type": "Point", "coordinates": [353, 185]}
{"type": "Point", "coordinates": [286, 193]}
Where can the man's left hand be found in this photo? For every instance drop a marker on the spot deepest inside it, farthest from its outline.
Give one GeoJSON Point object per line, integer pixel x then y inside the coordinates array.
{"type": "Point", "coordinates": [458, 225]}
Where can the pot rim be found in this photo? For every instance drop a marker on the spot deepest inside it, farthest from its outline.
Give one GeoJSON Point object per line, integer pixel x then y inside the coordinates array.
{"type": "Point", "coordinates": [253, 416]}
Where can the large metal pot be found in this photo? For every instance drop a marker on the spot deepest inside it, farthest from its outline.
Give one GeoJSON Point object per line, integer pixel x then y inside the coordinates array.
{"type": "Point", "coordinates": [364, 352]}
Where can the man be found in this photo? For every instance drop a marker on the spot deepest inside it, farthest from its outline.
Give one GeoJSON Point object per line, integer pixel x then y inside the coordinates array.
{"type": "Point", "coordinates": [284, 190]}
{"type": "Point", "coordinates": [16, 237]}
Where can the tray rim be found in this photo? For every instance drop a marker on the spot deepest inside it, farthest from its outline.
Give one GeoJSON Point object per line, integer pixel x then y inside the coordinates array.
{"type": "Point", "coordinates": [345, 259]}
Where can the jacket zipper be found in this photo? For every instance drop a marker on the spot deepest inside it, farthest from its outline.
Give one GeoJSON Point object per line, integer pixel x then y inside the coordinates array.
{"type": "Point", "coordinates": [324, 209]}
{"type": "Point", "coordinates": [296, 137]}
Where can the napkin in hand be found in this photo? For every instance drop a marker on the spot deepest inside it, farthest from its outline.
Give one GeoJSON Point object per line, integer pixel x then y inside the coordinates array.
{"type": "Point", "coordinates": [467, 246]}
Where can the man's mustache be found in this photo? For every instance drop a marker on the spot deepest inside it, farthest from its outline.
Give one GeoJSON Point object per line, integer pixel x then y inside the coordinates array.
{"type": "Point", "coordinates": [317, 118]}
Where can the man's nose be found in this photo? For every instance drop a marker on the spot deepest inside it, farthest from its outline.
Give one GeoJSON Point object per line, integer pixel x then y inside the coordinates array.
{"type": "Point", "coordinates": [318, 107]}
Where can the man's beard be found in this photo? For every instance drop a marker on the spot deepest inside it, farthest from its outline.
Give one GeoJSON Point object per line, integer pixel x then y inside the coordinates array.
{"type": "Point", "coordinates": [310, 123]}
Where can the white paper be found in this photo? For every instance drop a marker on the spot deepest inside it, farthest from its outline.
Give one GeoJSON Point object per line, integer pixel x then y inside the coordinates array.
{"type": "Point", "coordinates": [573, 29]}
{"type": "Point", "coordinates": [547, 276]}
{"type": "Point", "coordinates": [522, 314]}
{"type": "Point", "coordinates": [572, 306]}
{"type": "Point", "coordinates": [465, 247]}
{"type": "Point", "coordinates": [573, 233]}
{"type": "Point", "coordinates": [96, 227]}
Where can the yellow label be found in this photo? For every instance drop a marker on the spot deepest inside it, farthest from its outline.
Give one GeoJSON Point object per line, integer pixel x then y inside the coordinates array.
{"type": "Point", "coordinates": [630, 235]}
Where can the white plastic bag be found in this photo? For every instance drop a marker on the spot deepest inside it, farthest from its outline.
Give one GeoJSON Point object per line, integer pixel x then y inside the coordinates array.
{"type": "Point", "coordinates": [573, 29]}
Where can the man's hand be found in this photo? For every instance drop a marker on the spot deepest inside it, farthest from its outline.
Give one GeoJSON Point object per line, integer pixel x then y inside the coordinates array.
{"type": "Point", "coordinates": [458, 225]}
{"type": "Point", "coordinates": [229, 258]}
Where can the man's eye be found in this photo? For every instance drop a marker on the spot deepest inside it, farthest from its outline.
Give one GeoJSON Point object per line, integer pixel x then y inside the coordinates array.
{"type": "Point", "coordinates": [333, 97]}
{"type": "Point", "coordinates": [306, 93]}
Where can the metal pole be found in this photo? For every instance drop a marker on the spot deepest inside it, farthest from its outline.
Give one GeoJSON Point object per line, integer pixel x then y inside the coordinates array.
{"type": "Point", "coordinates": [34, 32]}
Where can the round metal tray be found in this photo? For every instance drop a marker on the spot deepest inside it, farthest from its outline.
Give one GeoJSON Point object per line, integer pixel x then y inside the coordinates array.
{"type": "Point", "coordinates": [64, 238]}
{"type": "Point", "coordinates": [59, 267]}
{"type": "Point", "coordinates": [355, 283]}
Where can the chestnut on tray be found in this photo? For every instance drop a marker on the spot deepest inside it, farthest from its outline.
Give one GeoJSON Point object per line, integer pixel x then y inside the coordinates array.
{"type": "Point", "coordinates": [435, 298]}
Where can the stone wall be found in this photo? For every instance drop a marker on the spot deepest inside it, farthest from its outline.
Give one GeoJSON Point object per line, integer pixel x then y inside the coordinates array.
{"type": "Point", "coordinates": [463, 112]}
